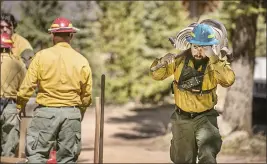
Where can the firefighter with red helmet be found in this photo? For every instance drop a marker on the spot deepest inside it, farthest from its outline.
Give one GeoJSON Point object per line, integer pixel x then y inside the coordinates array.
{"type": "Point", "coordinates": [64, 81]}
{"type": "Point", "coordinates": [22, 48]}
{"type": "Point", "coordinates": [12, 75]}
{"type": "Point", "coordinates": [6, 42]}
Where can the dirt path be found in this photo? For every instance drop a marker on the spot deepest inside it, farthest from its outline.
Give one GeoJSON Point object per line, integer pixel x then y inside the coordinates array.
{"type": "Point", "coordinates": [131, 135]}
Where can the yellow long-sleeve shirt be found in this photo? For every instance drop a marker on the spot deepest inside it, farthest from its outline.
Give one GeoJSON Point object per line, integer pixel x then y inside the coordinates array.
{"type": "Point", "coordinates": [20, 44]}
{"type": "Point", "coordinates": [217, 72]}
{"type": "Point", "coordinates": [13, 72]}
{"type": "Point", "coordinates": [63, 76]}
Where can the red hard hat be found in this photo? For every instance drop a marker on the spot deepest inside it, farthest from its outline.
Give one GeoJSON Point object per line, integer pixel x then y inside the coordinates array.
{"type": "Point", "coordinates": [6, 41]}
{"type": "Point", "coordinates": [62, 25]}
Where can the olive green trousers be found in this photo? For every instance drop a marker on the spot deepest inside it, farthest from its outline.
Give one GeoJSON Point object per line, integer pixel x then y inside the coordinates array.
{"type": "Point", "coordinates": [54, 126]}
{"type": "Point", "coordinates": [194, 138]}
{"type": "Point", "coordinates": [9, 131]}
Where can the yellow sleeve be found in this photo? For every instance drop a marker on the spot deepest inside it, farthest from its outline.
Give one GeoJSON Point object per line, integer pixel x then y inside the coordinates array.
{"type": "Point", "coordinates": [20, 44]}
{"type": "Point", "coordinates": [86, 87]}
{"type": "Point", "coordinates": [22, 74]}
{"type": "Point", "coordinates": [222, 71]}
{"type": "Point", "coordinates": [166, 71]}
{"type": "Point", "coordinates": [29, 83]}
{"type": "Point", "coordinates": [162, 73]}
{"type": "Point", "coordinates": [26, 57]}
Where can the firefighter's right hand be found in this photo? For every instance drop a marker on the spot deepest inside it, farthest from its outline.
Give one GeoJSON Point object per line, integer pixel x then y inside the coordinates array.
{"type": "Point", "coordinates": [167, 59]}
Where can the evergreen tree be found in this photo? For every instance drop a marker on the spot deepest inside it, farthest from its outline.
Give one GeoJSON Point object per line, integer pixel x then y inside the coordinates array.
{"type": "Point", "coordinates": [87, 40]}
{"type": "Point", "coordinates": [133, 34]}
{"type": "Point", "coordinates": [122, 41]}
{"type": "Point", "coordinates": [261, 36]}
{"type": "Point", "coordinates": [161, 20]}
{"type": "Point", "coordinates": [37, 17]}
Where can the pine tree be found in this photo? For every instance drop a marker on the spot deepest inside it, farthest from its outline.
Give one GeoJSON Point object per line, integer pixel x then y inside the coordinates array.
{"type": "Point", "coordinates": [161, 20]}
{"type": "Point", "coordinates": [122, 38]}
{"type": "Point", "coordinates": [87, 40]}
{"type": "Point", "coordinates": [37, 17]}
{"type": "Point", "coordinates": [134, 34]}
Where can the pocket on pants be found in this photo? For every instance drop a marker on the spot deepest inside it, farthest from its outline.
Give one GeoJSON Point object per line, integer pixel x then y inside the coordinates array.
{"type": "Point", "coordinates": [208, 135]}
{"type": "Point", "coordinates": [181, 151]}
{"type": "Point", "coordinates": [179, 127]}
{"type": "Point", "coordinates": [75, 116]}
{"type": "Point", "coordinates": [41, 129]}
{"type": "Point", "coordinates": [212, 119]}
{"type": "Point", "coordinates": [78, 143]}
{"type": "Point", "coordinates": [42, 120]}
{"type": "Point", "coordinates": [172, 151]}
{"type": "Point", "coordinates": [177, 131]}
{"type": "Point", "coordinates": [44, 114]}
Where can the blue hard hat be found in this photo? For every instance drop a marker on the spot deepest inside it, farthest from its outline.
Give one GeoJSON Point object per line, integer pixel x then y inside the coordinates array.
{"type": "Point", "coordinates": [202, 35]}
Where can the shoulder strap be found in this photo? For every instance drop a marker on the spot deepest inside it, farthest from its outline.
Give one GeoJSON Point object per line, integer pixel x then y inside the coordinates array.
{"type": "Point", "coordinates": [203, 69]}
{"type": "Point", "coordinates": [186, 60]}
{"type": "Point", "coordinates": [185, 65]}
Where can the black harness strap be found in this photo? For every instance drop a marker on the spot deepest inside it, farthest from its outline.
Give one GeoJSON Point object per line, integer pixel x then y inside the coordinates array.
{"type": "Point", "coordinates": [196, 76]}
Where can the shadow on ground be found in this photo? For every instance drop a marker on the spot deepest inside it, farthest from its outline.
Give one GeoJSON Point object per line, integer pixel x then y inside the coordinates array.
{"type": "Point", "coordinates": [87, 149]}
{"type": "Point", "coordinates": [150, 122]}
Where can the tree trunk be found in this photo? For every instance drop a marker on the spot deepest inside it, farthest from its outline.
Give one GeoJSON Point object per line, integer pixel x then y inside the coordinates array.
{"type": "Point", "coordinates": [193, 9]}
{"type": "Point", "coordinates": [238, 103]}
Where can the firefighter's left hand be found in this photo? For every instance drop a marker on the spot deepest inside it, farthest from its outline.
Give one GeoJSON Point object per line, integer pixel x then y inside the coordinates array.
{"type": "Point", "coordinates": [212, 52]}
{"type": "Point", "coordinates": [208, 51]}
{"type": "Point", "coordinates": [21, 111]}
{"type": "Point", "coordinates": [19, 114]}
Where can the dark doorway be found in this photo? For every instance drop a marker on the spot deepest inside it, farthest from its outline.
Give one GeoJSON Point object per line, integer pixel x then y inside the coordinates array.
{"type": "Point", "coordinates": [259, 113]}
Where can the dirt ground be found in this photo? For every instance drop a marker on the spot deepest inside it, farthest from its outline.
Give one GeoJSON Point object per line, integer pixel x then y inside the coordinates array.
{"type": "Point", "coordinates": [133, 135]}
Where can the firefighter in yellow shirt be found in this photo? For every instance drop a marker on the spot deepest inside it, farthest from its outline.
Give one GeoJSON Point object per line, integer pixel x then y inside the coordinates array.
{"type": "Point", "coordinates": [197, 72]}
{"type": "Point", "coordinates": [22, 48]}
{"type": "Point", "coordinates": [12, 75]}
{"type": "Point", "coordinates": [64, 81]}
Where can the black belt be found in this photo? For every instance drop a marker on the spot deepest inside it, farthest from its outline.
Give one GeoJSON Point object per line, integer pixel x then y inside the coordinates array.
{"type": "Point", "coordinates": [42, 106]}
{"type": "Point", "coordinates": [190, 114]}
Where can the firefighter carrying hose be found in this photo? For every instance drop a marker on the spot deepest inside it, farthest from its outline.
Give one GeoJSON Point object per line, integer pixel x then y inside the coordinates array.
{"type": "Point", "coordinates": [197, 72]}
{"type": "Point", "coordinates": [64, 81]}
{"type": "Point", "coordinates": [12, 74]}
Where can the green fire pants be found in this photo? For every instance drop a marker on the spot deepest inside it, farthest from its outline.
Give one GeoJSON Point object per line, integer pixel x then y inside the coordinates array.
{"type": "Point", "coordinates": [9, 131]}
{"type": "Point", "coordinates": [54, 125]}
{"type": "Point", "coordinates": [194, 138]}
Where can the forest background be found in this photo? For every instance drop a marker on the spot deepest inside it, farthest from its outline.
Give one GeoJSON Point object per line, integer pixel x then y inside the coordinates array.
{"type": "Point", "coordinates": [121, 38]}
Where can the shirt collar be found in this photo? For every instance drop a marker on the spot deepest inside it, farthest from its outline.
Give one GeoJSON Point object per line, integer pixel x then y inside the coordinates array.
{"type": "Point", "coordinates": [63, 44]}
{"type": "Point", "coordinates": [5, 54]}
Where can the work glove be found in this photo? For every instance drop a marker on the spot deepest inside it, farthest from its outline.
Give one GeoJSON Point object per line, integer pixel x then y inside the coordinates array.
{"type": "Point", "coordinates": [226, 53]}
{"type": "Point", "coordinates": [212, 52]}
{"type": "Point", "coordinates": [167, 59]}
